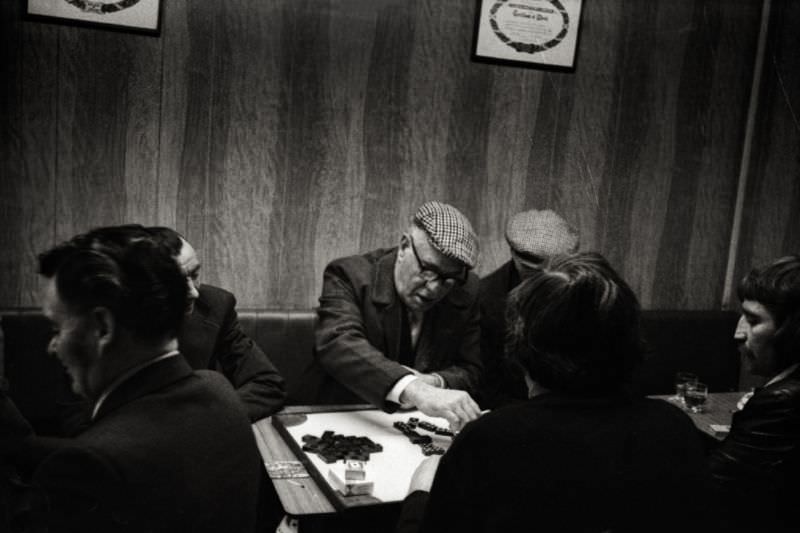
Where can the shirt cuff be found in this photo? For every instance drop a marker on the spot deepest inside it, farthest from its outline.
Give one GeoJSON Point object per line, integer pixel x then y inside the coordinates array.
{"type": "Point", "coordinates": [398, 388]}
{"type": "Point", "coordinates": [440, 382]}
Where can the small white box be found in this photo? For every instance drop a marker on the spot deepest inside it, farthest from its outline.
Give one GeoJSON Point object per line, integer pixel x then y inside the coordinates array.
{"type": "Point", "coordinates": [349, 487]}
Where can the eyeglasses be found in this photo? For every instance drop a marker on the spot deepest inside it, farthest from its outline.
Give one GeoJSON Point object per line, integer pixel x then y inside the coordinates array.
{"type": "Point", "coordinates": [431, 273]}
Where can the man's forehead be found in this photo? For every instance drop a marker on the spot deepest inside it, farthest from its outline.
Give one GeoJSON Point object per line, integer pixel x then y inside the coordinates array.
{"type": "Point", "coordinates": [187, 258]}
{"type": "Point", "coordinates": [755, 308]}
{"type": "Point", "coordinates": [52, 307]}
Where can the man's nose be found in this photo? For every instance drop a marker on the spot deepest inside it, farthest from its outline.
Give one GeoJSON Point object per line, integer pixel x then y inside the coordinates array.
{"type": "Point", "coordinates": [193, 293]}
{"type": "Point", "coordinates": [52, 346]}
{"type": "Point", "coordinates": [741, 329]}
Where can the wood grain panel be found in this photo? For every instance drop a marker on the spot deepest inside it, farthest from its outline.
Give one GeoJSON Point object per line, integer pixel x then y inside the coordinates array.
{"type": "Point", "coordinates": [387, 132]}
{"type": "Point", "coordinates": [94, 67]}
{"type": "Point", "coordinates": [246, 157]}
{"type": "Point", "coordinates": [770, 226]}
{"type": "Point", "coordinates": [28, 154]}
{"type": "Point", "coordinates": [10, 151]}
{"type": "Point", "coordinates": [341, 202]}
{"type": "Point", "coordinates": [186, 106]}
{"type": "Point", "coordinates": [279, 135]}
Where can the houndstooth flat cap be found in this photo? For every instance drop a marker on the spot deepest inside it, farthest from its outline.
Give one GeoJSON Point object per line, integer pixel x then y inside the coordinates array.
{"type": "Point", "coordinates": [541, 234]}
{"type": "Point", "coordinates": [449, 231]}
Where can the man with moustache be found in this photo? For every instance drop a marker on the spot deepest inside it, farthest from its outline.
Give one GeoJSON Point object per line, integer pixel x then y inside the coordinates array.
{"type": "Point", "coordinates": [166, 447]}
{"type": "Point", "coordinates": [399, 326]}
{"type": "Point", "coordinates": [757, 464]}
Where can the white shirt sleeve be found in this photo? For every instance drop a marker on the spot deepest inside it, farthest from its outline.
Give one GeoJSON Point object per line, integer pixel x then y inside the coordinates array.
{"type": "Point", "coordinates": [398, 388]}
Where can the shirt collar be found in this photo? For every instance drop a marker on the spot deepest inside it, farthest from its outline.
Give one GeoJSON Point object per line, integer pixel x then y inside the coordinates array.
{"type": "Point", "coordinates": [126, 375]}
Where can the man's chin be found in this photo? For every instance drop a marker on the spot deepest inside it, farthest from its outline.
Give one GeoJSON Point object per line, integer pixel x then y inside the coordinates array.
{"type": "Point", "coordinates": [190, 308]}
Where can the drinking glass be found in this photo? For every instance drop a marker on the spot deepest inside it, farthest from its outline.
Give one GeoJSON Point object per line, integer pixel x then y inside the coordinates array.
{"type": "Point", "coordinates": [681, 380]}
{"type": "Point", "coordinates": [695, 396]}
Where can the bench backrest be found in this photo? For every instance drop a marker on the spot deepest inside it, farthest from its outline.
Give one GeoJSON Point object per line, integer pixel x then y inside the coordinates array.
{"type": "Point", "coordinates": [696, 341]}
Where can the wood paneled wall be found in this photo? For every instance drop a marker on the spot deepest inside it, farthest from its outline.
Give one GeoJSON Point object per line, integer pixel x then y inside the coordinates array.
{"type": "Point", "coordinates": [771, 216]}
{"type": "Point", "coordinates": [279, 135]}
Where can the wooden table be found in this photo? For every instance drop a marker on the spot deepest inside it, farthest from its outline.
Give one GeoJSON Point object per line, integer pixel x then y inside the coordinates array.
{"type": "Point", "coordinates": [303, 497]}
{"type": "Point", "coordinates": [299, 496]}
{"type": "Point", "coordinates": [719, 410]}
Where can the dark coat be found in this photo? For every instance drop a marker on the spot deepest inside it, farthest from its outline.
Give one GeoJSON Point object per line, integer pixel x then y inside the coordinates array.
{"type": "Point", "coordinates": [756, 466]}
{"type": "Point", "coordinates": [169, 450]}
{"type": "Point", "coordinates": [212, 338]}
{"type": "Point", "coordinates": [14, 433]}
{"type": "Point", "coordinates": [503, 382]}
{"type": "Point", "coordinates": [561, 463]}
{"type": "Point", "coordinates": [358, 332]}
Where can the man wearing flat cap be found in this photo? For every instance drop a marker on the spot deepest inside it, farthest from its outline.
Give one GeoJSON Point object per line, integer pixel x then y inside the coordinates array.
{"type": "Point", "coordinates": [399, 326]}
{"type": "Point", "coordinates": [533, 237]}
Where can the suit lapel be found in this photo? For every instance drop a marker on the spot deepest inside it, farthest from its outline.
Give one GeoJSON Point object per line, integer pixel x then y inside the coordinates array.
{"type": "Point", "coordinates": [388, 305]}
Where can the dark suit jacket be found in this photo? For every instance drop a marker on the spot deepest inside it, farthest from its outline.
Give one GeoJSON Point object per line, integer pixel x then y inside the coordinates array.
{"type": "Point", "coordinates": [212, 338]}
{"type": "Point", "coordinates": [503, 382]}
{"type": "Point", "coordinates": [562, 463]}
{"type": "Point", "coordinates": [169, 450]}
{"type": "Point", "coordinates": [358, 332]}
{"type": "Point", "coordinates": [757, 466]}
{"type": "Point", "coordinates": [14, 432]}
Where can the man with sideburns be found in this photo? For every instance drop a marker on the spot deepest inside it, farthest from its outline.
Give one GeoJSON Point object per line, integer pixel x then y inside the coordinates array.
{"type": "Point", "coordinates": [757, 464]}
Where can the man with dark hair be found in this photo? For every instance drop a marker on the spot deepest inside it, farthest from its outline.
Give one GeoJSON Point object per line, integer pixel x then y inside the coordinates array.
{"type": "Point", "coordinates": [758, 462]}
{"type": "Point", "coordinates": [533, 237]}
{"type": "Point", "coordinates": [166, 447]}
{"type": "Point", "coordinates": [399, 326]}
{"type": "Point", "coordinates": [211, 336]}
{"type": "Point", "coordinates": [581, 454]}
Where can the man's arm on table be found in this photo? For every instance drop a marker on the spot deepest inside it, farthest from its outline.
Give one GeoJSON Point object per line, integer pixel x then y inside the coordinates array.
{"type": "Point", "coordinates": [342, 347]}
{"type": "Point", "coordinates": [256, 380]}
{"type": "Point", "coordinates": [344, 351]}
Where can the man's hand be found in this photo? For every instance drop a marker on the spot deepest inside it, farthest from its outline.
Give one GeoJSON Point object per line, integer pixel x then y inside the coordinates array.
{"type": "Point", "coordinates": [422, 479]}
{"type": "Point", "coordinates": [454, 405]}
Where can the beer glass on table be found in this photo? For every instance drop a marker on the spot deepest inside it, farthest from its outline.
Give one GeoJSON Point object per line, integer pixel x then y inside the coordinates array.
{"type": "Point", "coordinates": [695, 396]}
{"type": "Point", "coordinates": [681, 380]}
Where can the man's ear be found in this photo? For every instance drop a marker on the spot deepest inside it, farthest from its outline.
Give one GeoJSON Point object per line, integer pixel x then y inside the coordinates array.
{"type": "Point", "coordinates": [405, 242]}
{"type": "Point", "coordinates": [105, 326]}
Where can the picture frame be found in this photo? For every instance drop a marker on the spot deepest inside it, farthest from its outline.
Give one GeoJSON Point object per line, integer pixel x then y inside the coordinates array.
{"type": "Point", "coordinates": [138, 16]}
{"type": "Point", "coordinates": [532, 33]}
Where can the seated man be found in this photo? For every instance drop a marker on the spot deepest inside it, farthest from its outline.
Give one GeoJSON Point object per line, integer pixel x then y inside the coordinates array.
{"type": "Point", "coordinates": [582, 454]}
{"type": "Point", "coordinates": [399, 326]}
{"type": "Point", "coordinates": [166, 447]}
{"type": "Point", "coordinates": [757, 464]}
{"type": "Point", "coordinates": [211, 336]}
{"type": "Point", "coordinates": [533, 238]}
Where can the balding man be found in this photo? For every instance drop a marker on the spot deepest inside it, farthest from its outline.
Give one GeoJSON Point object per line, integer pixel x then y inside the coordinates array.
{"type": "Point", "coordinates": [399, 326]}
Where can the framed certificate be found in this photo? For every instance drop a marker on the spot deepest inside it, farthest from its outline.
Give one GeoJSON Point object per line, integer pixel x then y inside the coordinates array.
{"type": "Point", "coordinates": [142, 16]}
{"type": "Point", "coordinates": [539, 33]}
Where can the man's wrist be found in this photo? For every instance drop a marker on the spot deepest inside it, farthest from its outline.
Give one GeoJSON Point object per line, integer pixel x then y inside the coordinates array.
{"type": "Point", "coordinates": [401, 385]}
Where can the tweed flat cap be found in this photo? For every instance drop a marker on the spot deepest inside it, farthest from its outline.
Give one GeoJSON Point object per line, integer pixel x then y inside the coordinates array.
{"type": "Point", "coordinates": [449, 231]}
{"type": "Point", "coordinates": [541, 233]}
